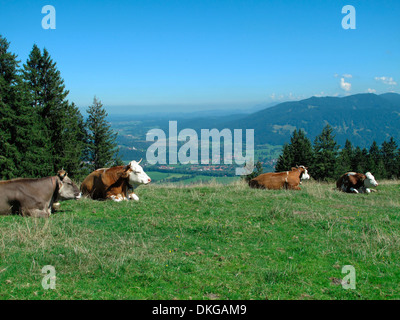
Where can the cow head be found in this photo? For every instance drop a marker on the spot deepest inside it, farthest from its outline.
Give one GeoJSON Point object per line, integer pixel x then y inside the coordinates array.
{"type": "Point", "coordinates": [304, 172]}
{"type": "Point", "coordinates": [370, 181]}
{"type": "Point", "coordinates": [134, 172]}
{"type": "Point", "coordinates": [67, 189]}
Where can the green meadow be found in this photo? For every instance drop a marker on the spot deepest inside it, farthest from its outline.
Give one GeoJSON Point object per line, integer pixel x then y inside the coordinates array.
{"type": "Point", "coordinates": [209, 241]}
{"type": "Point", "coordinates": [187, 179]}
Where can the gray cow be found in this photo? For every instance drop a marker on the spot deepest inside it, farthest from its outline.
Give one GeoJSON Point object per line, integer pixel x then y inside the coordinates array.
{"type": "Point", "coordinates": [36, 197]}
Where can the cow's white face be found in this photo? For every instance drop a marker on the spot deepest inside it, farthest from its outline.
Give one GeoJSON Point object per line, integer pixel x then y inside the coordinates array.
{"type": "Point", "coordinates": [305, 175]}
{"type": "Point", "coordinates": [370, 181]}
{"type": "Point", "coordinates": [137, 175]}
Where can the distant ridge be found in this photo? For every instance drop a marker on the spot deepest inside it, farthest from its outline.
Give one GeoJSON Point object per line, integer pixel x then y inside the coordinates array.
{"type": "Point", "coordinates": [361, 118]}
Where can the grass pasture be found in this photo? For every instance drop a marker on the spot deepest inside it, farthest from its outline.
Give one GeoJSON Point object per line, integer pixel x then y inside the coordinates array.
{"type": "Point", "coordinates": [209, 242]}
{"type": "Point", "coordinates": [165, 178]}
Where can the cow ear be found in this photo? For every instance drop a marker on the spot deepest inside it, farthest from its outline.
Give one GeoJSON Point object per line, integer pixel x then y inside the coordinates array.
{"type": "Point", "coordinates": [62, 174]}
{"type": "Point", "coordinates": [361, 176]}
{"type": "Point", "coordinates": [294, 168]}
{"type": "Point", "coordinates": [125, 174]}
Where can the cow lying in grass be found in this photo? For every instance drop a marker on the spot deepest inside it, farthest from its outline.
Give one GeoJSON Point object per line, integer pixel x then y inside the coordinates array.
{"type": "Point", "coordinates": [36, 197]}
{"type": "Point", "coordinates": [353, 182]}
{"type": "Point", "coordinates": [281, 180]}
{"type": "Point", "coordinates": [113, 183]}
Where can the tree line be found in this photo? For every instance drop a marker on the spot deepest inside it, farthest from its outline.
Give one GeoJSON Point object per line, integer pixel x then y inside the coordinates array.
{"type": "Point", "coordinates": [327, 161]}
{"type": "Point", "coordinates": [40, 130]}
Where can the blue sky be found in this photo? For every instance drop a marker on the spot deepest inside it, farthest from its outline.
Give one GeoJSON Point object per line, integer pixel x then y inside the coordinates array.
{"type": "Point", "coordinates": [187, 55]}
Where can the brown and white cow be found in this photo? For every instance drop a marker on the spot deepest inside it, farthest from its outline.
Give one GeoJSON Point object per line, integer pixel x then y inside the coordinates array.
{"type": "Point", "coordinates": [353, 182]}
{"type": "Point", "coordinates": [281, 180]}
{"type": "Point", "coordinates": [113, 183]}
{"type": "Point", "coordinates": [35, 197]}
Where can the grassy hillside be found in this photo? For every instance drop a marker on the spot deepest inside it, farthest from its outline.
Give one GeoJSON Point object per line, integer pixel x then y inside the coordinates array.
{"type": "Point", "coordinates": [209, 242]}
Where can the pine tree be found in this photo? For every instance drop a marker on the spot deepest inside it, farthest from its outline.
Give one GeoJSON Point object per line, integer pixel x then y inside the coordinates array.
{"type": "Point", "coordinates": [390, 158]}
{"type": "Point", "coordinates": [27, 138]}
{"type": "Point", "coordinates": [32, 74]}
{"type": "Point", "coordinates": [301, 148]}
{"type": "Point", "coordinates": [375, 162]}
{"type": "Point", "coordinates": [74, 135]}
{"type": "Point", "coordinates": [285, 160]}
{"type": "Point", "coordinates": [364, 162]}
{"type": "Point", "coordinates": [356, 161]}
{"type": "Point", "coordinates": [373, 158]}
{"type": "Point", "coordinates": [19, 128]}
{"type": "Point", "coordinates": [325, 155]}
{"type": "Point", "coordinates": [61, 124]}
{"type": "Point", "coordinates": [298, 152]}
{"type": "Point", "coordinates": [8, 82]}
{"type": "Point", "coordinates": [346, 155]}
{"type": "Point", "coordinates": [360, 160]}
{"type": "Point", "coordinates": [102, 146]}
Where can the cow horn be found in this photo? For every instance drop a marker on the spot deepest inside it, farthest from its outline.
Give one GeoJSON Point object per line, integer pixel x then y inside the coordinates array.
{"type": "Point", "coordinates": [140, 161]}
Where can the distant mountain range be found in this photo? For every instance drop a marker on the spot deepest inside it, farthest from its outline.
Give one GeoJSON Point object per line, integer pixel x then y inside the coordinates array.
{"type": "Point", "coordinates": [361, 118]}
{"type": "Point", "coordinates": [122, 113]}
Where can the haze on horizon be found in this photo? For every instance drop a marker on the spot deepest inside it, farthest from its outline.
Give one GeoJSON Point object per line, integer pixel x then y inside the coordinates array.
{"type": "Point", "coordinates": [188, 56]}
